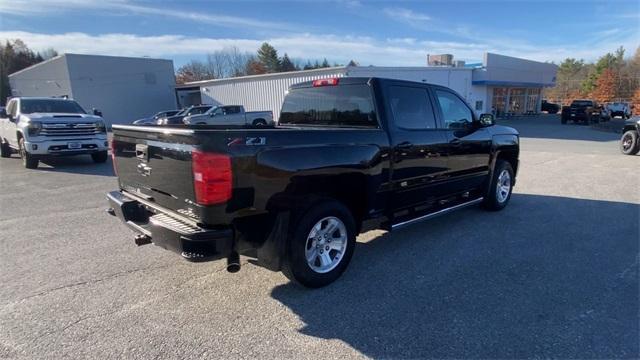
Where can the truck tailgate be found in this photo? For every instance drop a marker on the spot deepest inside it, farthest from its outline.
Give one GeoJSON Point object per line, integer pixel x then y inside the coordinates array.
{"type": "Point", "coordinates": [155, 165]}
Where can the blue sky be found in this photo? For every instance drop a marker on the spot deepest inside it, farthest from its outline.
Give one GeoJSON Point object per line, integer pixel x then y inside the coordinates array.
{"type": "Point", "coordinates": [370, 32]}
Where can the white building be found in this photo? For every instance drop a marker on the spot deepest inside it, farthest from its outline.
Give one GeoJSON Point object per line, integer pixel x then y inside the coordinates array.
{"type": "Point", "coordinates": [500, 84]}
{"type": "Point", "coordinates": [123, 88]}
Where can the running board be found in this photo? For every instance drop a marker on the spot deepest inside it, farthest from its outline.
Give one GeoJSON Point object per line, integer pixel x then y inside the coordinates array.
{"type": "Point", "coordinates": [435, 214]}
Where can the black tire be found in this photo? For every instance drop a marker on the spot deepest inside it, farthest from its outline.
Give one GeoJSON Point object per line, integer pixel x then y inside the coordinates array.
{"type": "Point", "coordinates": [629, 144]}
{"type": "Point", "coordinates": [493, 201]}
{"type": "Point", "coordinates": [295, 265]}
{"type": "Point", "coordinates": [100, 157]}
{"type": "Point", "coordinates": [5, 149]}
{"type": "Point", "coordinates": [28, 160]}
{"type": "Point", "coordinates": [260, 122]}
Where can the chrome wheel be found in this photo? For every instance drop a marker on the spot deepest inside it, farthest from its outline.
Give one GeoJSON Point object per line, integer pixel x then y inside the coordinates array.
{"type": "Point", "coordinates": [326, 244]}
{"type": "Point", "coordinates": [503, 187]}
{"type": "Point", "coordinates": [627, 142]}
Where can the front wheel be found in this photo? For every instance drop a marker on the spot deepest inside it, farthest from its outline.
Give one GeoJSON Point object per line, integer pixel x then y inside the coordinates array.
{"type": "Point", "coordinates": [28, 160]}
{"type": "Point", "coordinates": [320, 245]}
{"type": "Point", "coordinates": [629, 143]}
{"type": "Point", "coordinates": [5, 149]}
{"type": "Point", "coordinates": [100, 157]}
{"type": "Point", "coordinates": [500, 187]}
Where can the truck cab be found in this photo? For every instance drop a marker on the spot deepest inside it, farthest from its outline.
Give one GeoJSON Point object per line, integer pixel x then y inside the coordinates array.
{"type": "Point", "coordinates": [40, 127]}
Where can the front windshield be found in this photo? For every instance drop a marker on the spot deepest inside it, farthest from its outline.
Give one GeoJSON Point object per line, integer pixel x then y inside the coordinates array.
{"type": "Point", "coordinates": [29, 106]}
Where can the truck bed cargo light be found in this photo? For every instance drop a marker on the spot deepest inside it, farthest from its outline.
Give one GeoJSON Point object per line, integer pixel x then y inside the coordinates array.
{"type": "Point", "coordinates": [325, 82]}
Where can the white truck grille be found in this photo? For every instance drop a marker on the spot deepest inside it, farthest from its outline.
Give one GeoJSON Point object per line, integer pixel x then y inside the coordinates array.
{"type": "Point", "coordinates": [69, 129]}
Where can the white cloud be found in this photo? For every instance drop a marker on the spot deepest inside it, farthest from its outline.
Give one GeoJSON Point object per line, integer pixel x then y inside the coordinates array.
{"type": "Point", "coordinates": [406, 15]}
{"type": "Point", "coordinates": [44, 7]}
{"type": "Point", "coordinates": [365, 50]}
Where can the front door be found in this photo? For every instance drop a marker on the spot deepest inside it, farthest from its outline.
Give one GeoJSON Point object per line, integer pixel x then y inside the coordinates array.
{"type": "Point", "coordinates": [419, 149]}
{"type": "Point", "coordinates": [469, 145]}
{"type": "Point", "coordinates": [8, 126]}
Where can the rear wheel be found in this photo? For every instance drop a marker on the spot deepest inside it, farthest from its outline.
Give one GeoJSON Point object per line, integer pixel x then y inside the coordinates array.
{"type": "Point", "coordinates": [500, 187]}
{"type": "Point", "coordinates": [320, 246]}
{"type": "Point", "coordinates": [28, 160]}
{"type": "Point", "coordinates": [260, 122]}
{"type": "Point", "coordinates": [629, 144]}
{"type": "Point", "coordinates": [5, 149]}
{"type": "Point", "coordinates": [100, 157]}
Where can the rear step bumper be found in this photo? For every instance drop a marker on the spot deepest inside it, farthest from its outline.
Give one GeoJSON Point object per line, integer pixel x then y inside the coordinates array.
{"type": "Point", "coordinates": [192, 242]}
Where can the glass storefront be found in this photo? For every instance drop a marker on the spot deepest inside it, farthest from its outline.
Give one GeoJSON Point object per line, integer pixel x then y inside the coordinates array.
{"type": "Point", "coordinates": [515, 101]}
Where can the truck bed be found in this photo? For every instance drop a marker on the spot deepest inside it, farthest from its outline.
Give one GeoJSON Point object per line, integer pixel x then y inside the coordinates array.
{"type": "Point", "coordinates": [154, 163]}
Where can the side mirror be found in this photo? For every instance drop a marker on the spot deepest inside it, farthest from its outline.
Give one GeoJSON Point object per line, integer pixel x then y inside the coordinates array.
{"type": "Point", "coordinates": [487, 120]}
{"type": "Point", "coordinates": [3, 113]}
{"type": "Point", "coordinates": [97, 112]}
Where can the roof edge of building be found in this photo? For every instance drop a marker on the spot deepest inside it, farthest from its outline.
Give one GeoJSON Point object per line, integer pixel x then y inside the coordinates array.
{"type": "Point", "coordinates": [63, 55]}
{"type": "Point", "coordinates": [260, 76]}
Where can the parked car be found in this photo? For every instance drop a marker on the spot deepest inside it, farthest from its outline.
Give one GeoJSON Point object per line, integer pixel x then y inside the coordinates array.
{"type": "Point", "coordinates": [39, 127]}
{"type": "Point", "coordinates": [177, 118]}
{"type": "Point", "coordinates": [152, 120]}
{"type": "Point", "coordinates": [584, 111]}
{"type": "Point", "coordinates": [621, 109]}
{"type": "Point", "coordinates": [231, 115]}
{"type": "Point", "coordinates": [348, 154]}
{"type": "Point", "coordinates": [550, 108]}
{"type": "Point", "coordinates": [630, 142]}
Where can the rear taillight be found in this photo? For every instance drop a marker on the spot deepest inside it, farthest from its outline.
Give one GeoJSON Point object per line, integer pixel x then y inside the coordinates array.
{"type": "Point", "coordinates": [113, 156]}
{"type": "Point", "coordinates": [212, 177]}
{"type": "Point", "coordinates": [325, 82]}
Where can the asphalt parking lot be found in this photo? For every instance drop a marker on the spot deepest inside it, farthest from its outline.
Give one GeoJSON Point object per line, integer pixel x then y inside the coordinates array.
{"type": "Point", "coordinates": [553, 275]}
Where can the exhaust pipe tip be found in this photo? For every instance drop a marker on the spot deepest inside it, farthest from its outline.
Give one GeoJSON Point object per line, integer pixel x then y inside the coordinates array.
{"type": "Point", "coordinates": [233, 262]}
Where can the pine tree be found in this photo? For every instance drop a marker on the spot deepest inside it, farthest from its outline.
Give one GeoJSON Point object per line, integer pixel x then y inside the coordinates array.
{"type": "Point", "coordinates": [286, 64]}
{"type": "Point", "coordinates": [325, 63]}
{"type": "Point", "coordinates": [268, 56]}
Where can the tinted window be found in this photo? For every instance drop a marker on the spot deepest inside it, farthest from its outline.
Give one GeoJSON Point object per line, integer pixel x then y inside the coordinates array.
{"type": "Point", "coordinates": [198, 110]}
{"type": "Point", "coordinates": [343, 105]}
{"type": "Point", "coordinates": [455, 112]}
{"type": "Point", "coordinates": [411, 108]}
{"type": "Point", "coordinates": [582, 103]}
{"type": "Point", "coordinates": [232, 110]}
{"type": "Point", "coordinates": [28, 106]}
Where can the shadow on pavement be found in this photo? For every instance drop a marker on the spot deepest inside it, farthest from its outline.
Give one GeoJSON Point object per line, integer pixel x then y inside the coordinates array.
{"type": "Point", "coordinates": [546, 277]}
{"type": "Point", "coordinates": [81, 164]}
{"type": "Point", "coordinates": [549, 127]}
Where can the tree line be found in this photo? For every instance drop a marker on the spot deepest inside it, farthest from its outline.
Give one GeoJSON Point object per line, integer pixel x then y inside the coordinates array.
{"type": "Point", "coordinates": [231, 62]}
{"type": "Point", "coordinates": [610, 78]}
{"type": "Point", "coordinates": [15, 56]}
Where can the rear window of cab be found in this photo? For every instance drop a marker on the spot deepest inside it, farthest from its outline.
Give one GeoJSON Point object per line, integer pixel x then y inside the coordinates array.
{"type": "Point", "coordinates": [348, 105]}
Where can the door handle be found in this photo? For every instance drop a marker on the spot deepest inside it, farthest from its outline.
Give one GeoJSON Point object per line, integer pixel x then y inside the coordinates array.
{"type": "Point", "coordinates": [404, 145]}
{"type": "Point", "coordinates": [455, 142]}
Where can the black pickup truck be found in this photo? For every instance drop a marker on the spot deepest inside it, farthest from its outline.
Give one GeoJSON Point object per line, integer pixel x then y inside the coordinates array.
{"type": "Point", "coordinates": [584, 111]}
{"type": "Point", "coordinates": [348, 155]}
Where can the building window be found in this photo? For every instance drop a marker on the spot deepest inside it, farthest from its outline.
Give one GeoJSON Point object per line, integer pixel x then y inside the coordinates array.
{"type": "Point", "coordinates": [499, 101]}
{"type": "Point", "coordinates": [533, 95]}
{"type": "Point", "coordinates": [517, 98]}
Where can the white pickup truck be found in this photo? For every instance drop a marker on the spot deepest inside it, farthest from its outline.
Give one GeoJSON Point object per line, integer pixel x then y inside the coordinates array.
{"type": "Point", "coordinates": [231, 115]}
{"type": "Point", "coordinates": [39, 127]}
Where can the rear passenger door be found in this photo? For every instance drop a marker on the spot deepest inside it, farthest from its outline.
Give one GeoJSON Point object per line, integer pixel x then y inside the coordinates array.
{"type": "Point", "coordinates": [419, 147]}
{"type": "Point", "coordinates": [469, 145]}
